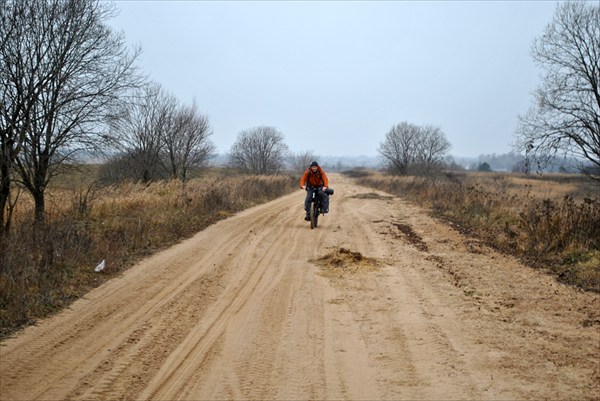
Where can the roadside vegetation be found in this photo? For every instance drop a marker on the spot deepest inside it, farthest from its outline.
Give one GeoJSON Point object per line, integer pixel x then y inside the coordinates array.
{"type": "Point", "coordinates": [550, 222]}
{"type": "Point", "coordinates": [44, 268]}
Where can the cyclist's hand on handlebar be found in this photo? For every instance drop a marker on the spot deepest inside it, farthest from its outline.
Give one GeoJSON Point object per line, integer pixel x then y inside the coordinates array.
{"type": "Point", "coordinates": [303, 187]}
{"type": "Point", "coordinates": [324, 189]}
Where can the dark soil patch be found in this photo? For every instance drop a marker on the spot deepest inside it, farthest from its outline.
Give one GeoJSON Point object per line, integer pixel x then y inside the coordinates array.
{"type": "Point", "coordinates": [412, 237]}
{"type": "Point", "coordinates": [373, 196]}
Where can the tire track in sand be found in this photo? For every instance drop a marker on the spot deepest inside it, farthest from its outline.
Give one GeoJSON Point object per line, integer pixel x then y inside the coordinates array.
{"type": "Point", "coordinates": [185, 366]}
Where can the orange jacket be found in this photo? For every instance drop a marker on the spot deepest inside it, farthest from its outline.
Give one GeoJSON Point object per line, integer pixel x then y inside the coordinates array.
{"type": "Point", "coordinates": [318, 179]}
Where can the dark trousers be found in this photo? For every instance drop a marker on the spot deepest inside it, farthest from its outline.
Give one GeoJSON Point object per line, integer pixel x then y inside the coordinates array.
{"type": "Point", "coordinates": [321, 194]}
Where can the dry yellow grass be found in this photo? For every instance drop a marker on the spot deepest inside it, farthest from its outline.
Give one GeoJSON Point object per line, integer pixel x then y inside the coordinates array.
{"type": "Point", "coordinates": [43, 269]}
{"type": "Point", "coordinates": [549, 186]}
{"type": "Point", "coordinates": [342, 262]}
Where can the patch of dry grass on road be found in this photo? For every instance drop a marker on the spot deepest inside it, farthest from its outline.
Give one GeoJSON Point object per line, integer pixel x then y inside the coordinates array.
{"type": "Point", "coordinates": [342, 262]}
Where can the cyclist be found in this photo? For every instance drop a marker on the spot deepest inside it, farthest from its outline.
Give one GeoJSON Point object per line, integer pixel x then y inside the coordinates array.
{"type": "Point", "coordinates": [315, 177]}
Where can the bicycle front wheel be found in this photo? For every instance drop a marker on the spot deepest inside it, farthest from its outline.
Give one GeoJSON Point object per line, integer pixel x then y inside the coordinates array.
{"type": "Point", "coordinates": [314, 215]}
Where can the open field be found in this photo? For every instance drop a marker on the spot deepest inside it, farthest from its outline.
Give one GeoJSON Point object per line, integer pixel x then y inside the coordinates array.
{"type": "Point", "coordinates": [381, 301]}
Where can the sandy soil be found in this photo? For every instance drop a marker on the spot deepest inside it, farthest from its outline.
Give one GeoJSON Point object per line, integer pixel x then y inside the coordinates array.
{"type": "Point", "coordinates": [379, 302]}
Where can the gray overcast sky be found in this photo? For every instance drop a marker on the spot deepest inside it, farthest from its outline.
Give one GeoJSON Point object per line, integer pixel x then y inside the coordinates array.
{"type": "Point", "coordinates": [335, 76]}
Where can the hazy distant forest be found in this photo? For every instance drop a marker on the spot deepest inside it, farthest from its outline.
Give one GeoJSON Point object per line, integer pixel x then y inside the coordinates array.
{"type": "Point", "coordinates": [98, 162]}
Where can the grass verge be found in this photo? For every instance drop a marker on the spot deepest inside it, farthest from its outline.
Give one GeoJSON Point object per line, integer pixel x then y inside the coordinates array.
{"type": "Point", "coordinates": [551, 223]}
{"type": "Point", "coordinates": [44, 269]}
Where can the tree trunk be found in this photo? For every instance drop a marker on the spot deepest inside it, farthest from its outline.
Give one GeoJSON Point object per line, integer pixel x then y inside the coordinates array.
{"type": "Point", "coordinates": [4, 196]}
{"type": "Point", "coordinates": [5, 186]}
{"type": "Point", "coordinates": [5, 163]}
{"type": "Point", "coordinates": [40, 206]}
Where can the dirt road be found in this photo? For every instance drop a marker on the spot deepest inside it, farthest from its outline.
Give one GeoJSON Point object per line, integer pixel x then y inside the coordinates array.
{"type": "Point", "coordinates": [379, 302]}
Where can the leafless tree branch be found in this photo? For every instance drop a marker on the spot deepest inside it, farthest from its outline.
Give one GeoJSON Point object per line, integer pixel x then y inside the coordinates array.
{"type": "Point", "coordinates": [565, 119]}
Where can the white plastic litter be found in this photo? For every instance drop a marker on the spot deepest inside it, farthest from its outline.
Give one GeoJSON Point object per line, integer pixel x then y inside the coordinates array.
{"type": "Point", "coordinates": [101, 266]}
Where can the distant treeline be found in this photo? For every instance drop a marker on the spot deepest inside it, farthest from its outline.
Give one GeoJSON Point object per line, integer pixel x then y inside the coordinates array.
{"type": "Point", "coordinates": [511, 162]}
{"type": "Point", "coordinates": [517, 163]}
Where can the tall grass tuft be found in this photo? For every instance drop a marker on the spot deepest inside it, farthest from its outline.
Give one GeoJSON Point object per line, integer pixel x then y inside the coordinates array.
{"type": "Point", "coordinates": [514, 214]}
{"type": "Point", "coordinates": [43, 269]}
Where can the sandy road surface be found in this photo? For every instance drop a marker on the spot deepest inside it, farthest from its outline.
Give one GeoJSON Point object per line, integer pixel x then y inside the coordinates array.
{"type": "Point", "coordinates": [379, 302]}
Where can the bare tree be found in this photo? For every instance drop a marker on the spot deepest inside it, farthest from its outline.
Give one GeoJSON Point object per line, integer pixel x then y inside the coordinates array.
{"type": "Point", "coordinates": [409, 148]}
{"type": "Point", "coordinates": [159, 137]}
{"type": "Point", "coordinates": [62, 70]}
{"type": "Point", "coordinates": [300, 161]}
{"type": "Point", "coordinates": [259, 150]}
{"type": "Point", "coordinates": [140, 129]}
{"type": "Point", "coordinates": [20, 86]}
{"type": "Point", "coordinates": [187, 143]}
{"type": "Point", "coordinates": [431, 149]}
{"type": "Point", "coordinates": [566, 117]}
{"type": "Point", "coordinates": [399, 147]}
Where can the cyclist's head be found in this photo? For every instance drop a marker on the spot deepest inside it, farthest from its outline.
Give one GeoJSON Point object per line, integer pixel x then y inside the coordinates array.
{"type": "Point", "coordinates": [315, 165]}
